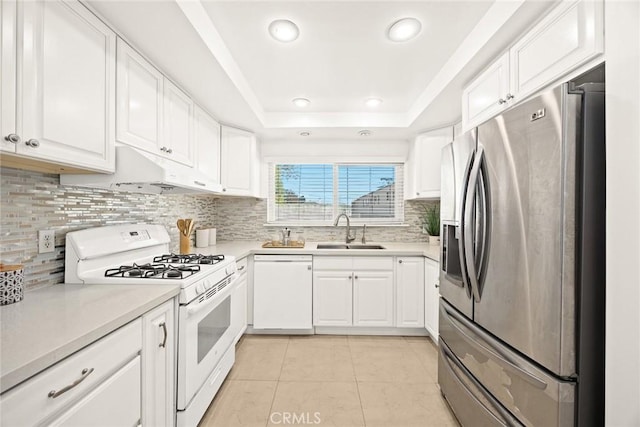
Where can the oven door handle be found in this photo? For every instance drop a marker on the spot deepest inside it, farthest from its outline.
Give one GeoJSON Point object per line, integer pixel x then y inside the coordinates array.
{"type": "Point", "coordinates": [196, 306]}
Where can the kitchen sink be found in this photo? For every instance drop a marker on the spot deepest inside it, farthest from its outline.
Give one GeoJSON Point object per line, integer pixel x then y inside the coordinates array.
{"type": "Point", "coordinates": [348, 246]}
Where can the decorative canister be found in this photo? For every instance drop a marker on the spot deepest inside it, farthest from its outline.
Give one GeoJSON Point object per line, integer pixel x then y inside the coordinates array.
{"type": "Point", "coordinates": [11, 283]}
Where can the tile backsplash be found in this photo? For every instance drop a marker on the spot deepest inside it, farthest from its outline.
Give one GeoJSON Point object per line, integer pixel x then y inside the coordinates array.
{"type": "Point", "coordinates": [32, 201]}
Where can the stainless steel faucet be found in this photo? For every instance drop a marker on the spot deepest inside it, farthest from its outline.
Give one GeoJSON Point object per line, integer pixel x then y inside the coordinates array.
{"type": "Point", "coordinates": [349, 238]}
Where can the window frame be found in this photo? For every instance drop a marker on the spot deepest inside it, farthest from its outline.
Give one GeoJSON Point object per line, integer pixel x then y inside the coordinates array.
{"type": "Point", "coordinates": [399, 203]}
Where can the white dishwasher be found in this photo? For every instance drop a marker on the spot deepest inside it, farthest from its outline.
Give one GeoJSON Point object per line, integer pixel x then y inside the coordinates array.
{"type": "Point", "coordinates": [282, 292]}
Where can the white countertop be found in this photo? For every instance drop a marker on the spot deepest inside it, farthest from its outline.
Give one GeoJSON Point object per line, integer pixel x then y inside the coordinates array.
{"type": "Point", "coordinates": [243, 248]}
{"type": "Point", "coordinates": [52, 323]}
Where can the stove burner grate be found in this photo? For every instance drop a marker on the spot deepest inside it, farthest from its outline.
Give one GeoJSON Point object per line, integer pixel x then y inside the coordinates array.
{"type": "Point", "coordinates": [189, 258]}
{"type": "Point", "coordinates": [153, 271]}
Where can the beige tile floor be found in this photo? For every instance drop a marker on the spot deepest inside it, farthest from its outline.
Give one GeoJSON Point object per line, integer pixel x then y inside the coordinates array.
{"type": "Point", "coordinates": [331, 381]}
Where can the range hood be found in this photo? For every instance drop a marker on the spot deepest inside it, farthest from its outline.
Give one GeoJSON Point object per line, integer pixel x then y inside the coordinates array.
{"type": "Point", "coordinates": [140, 172]}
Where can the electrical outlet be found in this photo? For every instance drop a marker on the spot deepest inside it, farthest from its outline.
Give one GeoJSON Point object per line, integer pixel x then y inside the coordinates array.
{"type": "Point", "coordinates": [46, 241]}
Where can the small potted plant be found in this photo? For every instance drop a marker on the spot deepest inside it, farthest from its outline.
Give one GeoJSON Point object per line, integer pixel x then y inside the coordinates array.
{"type": "Point", "coordinates": [431, 222]}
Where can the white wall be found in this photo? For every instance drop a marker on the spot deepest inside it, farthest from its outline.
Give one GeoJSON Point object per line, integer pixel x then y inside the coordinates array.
{"type": "Point", "coordinates": [622, 47]}
{"type": "Point", "coordinates": [335, 151]}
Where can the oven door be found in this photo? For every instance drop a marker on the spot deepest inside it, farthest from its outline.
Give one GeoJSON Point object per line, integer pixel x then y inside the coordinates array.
{"type": "Point", "coordinates": [207, 327]}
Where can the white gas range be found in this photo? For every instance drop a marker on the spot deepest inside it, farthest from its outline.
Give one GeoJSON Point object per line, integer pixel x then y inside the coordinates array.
{"type": "Point", "coordinates": [210, 319]}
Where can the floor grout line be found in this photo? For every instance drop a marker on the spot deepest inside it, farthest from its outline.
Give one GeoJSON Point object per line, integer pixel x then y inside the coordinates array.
{"type": "Point", "coordinates": [275, 392]}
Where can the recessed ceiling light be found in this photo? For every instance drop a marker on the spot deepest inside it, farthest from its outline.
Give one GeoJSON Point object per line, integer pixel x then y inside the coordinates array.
{"type": "Point", "coordinates": [284, 30]}
{"type": "Point", "coordinates": [305, 133]}
{"type": "Point", "coordinates": [364, 132]}
{"type": "Point", "coordinates": [373, 102]}
{"type": "Point", "coordinates": [301, 102]}
{"type": "Point", "coordinates": [404, 29]}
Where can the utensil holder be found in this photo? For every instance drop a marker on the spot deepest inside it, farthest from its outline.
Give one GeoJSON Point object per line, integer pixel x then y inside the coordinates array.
{"type": "Point", "coordinates": [11, 283]}
{"type": "Point", "coordinates": [185, 244]}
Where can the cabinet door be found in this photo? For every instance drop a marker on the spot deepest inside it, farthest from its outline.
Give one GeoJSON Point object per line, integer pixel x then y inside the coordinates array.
{"type": "Point", "coordinates": [207, 143]}
{"type": "Point", "coordinates": [487, 95]}
{"type": "Point", "coordinates": [410, 292]}
{"type": "Point", "coordinates": [332, 298]}
{"type": "Point", "coordinates": [8, 73]}
{"type": "Point", "coordinates": [568, 37]}
{"type": "Point", "coordinates": [431, 298]}
{"type": "Point", "coordinates": [67, 105]}
{"type": "Point", "coordinates": [239, 302]}
{"type": "Point", "coordinates": [178, 125]}
{"type": "Point", "coordinates": [139, 101]}
{"type": "Point", "coordinates": [158, 375]}
{"type": "Point", "coordinates": [115, 402]}
{"type": "Point", "coordinates": [426, 162]}
{"type": "Point", "coordinates": [237, 161]}
{"type": "Point", "coordinates": [373, 298]}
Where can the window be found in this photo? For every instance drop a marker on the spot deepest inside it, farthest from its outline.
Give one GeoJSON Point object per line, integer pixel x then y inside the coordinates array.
{"type": "Point", "coordinates": [317, 193]}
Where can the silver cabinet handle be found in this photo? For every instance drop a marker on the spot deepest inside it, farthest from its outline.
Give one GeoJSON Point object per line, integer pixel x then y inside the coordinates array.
{"type": "Point", "coordinates": [509, 96]}
{"type": "Point", "coordinates": [13, 138]}
{"type": "Point", "coordinates": [170, 150]}
{"type": "Point", "coordinates": [436, 285]}
{"type": "Point", "coordinates": [33, 143]}
{"type": "Point", "coordinates": [163, 325]}
{"type": "Point", "coordinates": [399, 261]}
{"type": "Point", "coordinates": [163, 149]}
{"type": "Point", "coordinates": [417, 193]}
{"type": "Point", "coordinates": [356, 277]}
{"type": "Point", "coordinates": [350, 277]}
{"type": "Point", "coordinates": [85, 373]}
{"type": "Point", "coordinates": [308, 267]}
{"type": "Point", "coordinates": [224, 189]}
{"type": "Point", "coordinates": [502, 101]}
{"type": "Point", "coordinates": [202, 184]}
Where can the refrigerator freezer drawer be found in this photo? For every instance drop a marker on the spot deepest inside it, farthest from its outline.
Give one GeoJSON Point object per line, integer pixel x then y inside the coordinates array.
{"type": "Point", "coordinates": [472, 405]}
{"type": "Point", "coordinates": [533, 396]}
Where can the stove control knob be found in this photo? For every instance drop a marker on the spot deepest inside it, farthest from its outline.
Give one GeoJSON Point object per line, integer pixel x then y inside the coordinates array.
{"type": "Point", "coordinates": [200, 288]}
{"type": "Point", "coordinates": [208, 284]}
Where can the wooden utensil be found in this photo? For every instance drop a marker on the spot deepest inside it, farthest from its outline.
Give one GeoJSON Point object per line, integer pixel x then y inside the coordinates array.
{"type": "Point", "coordinates": [190, 226]}
{"type": "Point", "coordinates": [182, 227]}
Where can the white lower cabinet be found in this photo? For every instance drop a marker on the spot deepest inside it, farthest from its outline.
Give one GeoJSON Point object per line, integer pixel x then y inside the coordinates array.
{"type": "Point", "coordinates": [85, 378]}
{"type": "Point", "coordinates": [431, 297]}
{"type": "Point", "coordinates": [125, 378]}
{"type": "Point", "coordinates": [353, 291]}
{"type": "Point", "coordinates": [158, 362]}
{"type": "Point", "coordinates": [410, 292]}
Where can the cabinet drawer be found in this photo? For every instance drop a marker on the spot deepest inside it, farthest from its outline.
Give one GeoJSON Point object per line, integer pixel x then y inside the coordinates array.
{"type": "Point", "coordinates": [241, 265]}
{"type": "Point", "coordinates": [332, 263]}
{"type": "Point", "coordinates": [29, 403]}
{"type": "Point", "coordinates": [370, 263]}
{"type": "Point", "coordinates": [121, 390]}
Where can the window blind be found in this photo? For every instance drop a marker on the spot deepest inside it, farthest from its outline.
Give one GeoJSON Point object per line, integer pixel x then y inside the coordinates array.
{"type": "Point", "coordinates": [317, 193]}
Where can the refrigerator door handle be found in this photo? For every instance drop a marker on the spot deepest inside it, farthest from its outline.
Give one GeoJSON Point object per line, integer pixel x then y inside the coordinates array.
{"type": "Point", "coordinates": [496, 408]}
{"type": "Point", "coordinates": [527, 376]}
{"type": "Point", "coordinates": [483, 202]}
{"type": "Point", "coordinates": [462, 228]}
{"type": "Point", "coordinates": [468, 224]}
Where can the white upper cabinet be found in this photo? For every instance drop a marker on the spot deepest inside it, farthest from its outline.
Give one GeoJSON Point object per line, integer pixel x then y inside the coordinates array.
{"type": "Point", "coordinates": [140, 98]}
{"type": "Point", "coordinates": [8, 71]}
{"type": "Point", "coordinates": [207, 143]}
{"type": "Point", "coordinates": [61, 107]}
{"type": "Point", "coordinates": [239, 163]}
{"type": "Point", "coordinates": [569, 36]}
{"type": "Point", "coordinates": [178, 125]}
{"type": "Point", "coordinates": [487, 95]}
{"type": "Point", "coordinates": [422, 171]}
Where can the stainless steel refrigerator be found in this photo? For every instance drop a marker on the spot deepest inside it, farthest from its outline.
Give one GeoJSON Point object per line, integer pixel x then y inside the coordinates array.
{"type": "Point", "coordinates": [522, 264]}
